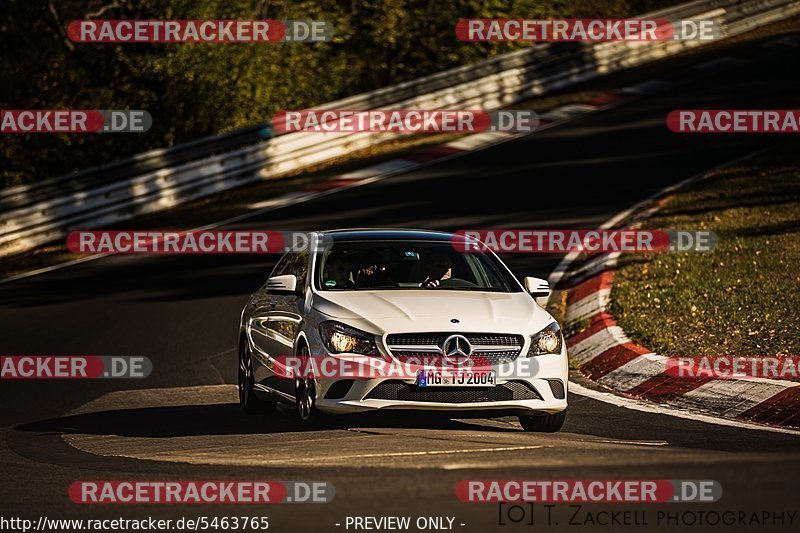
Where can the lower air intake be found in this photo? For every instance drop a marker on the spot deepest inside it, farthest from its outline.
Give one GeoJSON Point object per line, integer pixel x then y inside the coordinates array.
{"type": "Point", "coordinates": [557, 388]}
{"type": "Point", "coordinates": [399, 391]}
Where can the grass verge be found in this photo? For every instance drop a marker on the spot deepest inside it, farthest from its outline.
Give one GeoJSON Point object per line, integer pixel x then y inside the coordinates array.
{"type": "Point", "coordinates": [741, 299]}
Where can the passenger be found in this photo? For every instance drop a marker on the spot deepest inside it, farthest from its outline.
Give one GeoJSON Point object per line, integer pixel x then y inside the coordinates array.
{"type": "Point", "coordinates": [371, 272]}
{"type": "Point", "coordinates": [338, 270]}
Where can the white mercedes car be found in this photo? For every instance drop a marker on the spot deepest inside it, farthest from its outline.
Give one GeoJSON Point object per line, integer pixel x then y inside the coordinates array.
{"type": "Point", "coordinates": [470, 339]}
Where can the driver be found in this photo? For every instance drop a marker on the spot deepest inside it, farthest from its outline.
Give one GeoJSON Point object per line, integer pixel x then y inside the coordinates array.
{"type": "Point", "coordinates": [438, 269]}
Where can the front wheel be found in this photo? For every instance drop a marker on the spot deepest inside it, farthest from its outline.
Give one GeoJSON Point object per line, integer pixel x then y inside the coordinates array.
{"type": "Point", "coordinates": [246, 384]}
{"type": "Point", "coordinates": [305, 395]}
{"type": "Point", "coordinates": [543, 423]}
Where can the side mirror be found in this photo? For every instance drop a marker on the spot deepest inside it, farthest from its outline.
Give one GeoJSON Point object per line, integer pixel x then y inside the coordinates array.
{"type": "Point", "coordinates": [287, 283]}
{"type": "Point", "coordinates": [538, 287]}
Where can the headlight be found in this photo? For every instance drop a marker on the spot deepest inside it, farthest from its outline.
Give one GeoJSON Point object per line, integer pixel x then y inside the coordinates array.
{"type": "Point", "coordinates": [339, 338]}
{"type": "Point", "coordinates": [547, 341]}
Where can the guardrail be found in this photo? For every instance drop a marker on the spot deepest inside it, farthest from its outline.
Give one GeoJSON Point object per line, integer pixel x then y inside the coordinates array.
{"type": "Point", "coordinates": [97, 197]}
{"type": "Point", "coordinates": [23, 195]}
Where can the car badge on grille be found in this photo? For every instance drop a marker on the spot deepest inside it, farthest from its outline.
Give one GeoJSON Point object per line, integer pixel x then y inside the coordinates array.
{"type": "Point", "coordinates": [456, 349]}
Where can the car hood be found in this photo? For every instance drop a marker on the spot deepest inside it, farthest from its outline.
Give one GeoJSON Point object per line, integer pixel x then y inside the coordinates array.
{"type": "Point", "coordinates": [432, 310]}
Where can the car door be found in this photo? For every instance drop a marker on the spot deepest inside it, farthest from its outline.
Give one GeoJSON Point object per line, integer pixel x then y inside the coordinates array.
{"type": "Point", "coordinates": [278, 315]}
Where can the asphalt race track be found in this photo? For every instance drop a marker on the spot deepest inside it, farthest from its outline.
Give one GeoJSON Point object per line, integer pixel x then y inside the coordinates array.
{"type": "Point", "coordinates": [183, 423]}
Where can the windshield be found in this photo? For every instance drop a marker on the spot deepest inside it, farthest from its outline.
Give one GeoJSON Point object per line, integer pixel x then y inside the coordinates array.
{"type": "Point", "coordinates": [352, 266]}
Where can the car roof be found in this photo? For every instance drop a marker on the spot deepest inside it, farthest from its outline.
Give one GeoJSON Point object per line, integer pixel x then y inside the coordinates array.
{"type": "Point", "coordinates": [367, 234]}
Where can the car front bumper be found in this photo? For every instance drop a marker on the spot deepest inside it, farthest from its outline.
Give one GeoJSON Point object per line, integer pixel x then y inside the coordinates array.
{"type": "Point", "coordinates": [521, 387]}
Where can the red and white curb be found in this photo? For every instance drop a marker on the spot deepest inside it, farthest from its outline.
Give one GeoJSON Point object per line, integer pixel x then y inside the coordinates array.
{"type": "Point", "coordinates": [606, 355]}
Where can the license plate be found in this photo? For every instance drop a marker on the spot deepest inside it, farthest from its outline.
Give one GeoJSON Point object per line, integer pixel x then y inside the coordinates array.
{"type": "Point", "coordinates": [456, 378]}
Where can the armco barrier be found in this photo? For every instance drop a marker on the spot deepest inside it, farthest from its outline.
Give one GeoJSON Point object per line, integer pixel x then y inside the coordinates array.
{"type": "Point", "coordinates": [491, 84]}
{"type": "Point", "coordinates": [24, 195]}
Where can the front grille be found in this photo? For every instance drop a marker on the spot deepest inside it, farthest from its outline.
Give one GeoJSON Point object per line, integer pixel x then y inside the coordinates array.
{"type": "Point", "coordinates": [399, 391]}
{"type": "Point", "coordinates": [557, 388]}
{"type": "Point", "coordinates": [478, 360]}
{"type": "Point", "coordinates": [476, 339]}
{"type": "Point", "coordinates": [508, 347]}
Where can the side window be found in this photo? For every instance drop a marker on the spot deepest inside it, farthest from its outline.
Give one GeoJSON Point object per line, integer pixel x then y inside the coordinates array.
{"type": "Point", "coordinates": [280, 268]}
{"type": "Point", "coordinates": [293, 263]}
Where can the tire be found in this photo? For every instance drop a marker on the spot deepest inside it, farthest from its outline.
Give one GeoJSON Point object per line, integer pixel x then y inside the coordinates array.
{"type": "Point", "coordinates": [543, 423]}
{"type": "Point", "coordinates": [246, 385]}
{"type": "Point", "coordinates": [305, 396]}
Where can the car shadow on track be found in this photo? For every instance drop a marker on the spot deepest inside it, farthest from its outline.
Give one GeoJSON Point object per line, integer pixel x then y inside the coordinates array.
{"type": "Point", "coordinates": [229, 419]}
